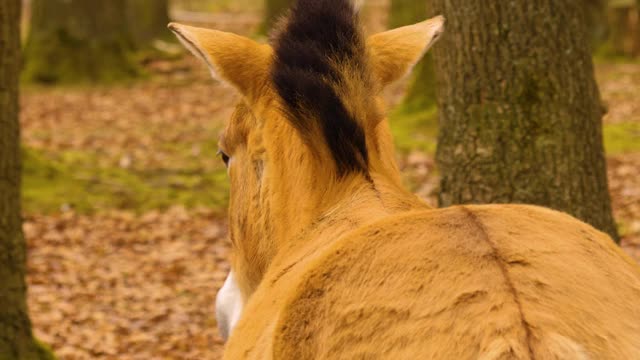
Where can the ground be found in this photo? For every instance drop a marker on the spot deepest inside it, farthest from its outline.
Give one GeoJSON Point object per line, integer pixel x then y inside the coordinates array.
{"type": "Point", "coordinates": [125, 200]}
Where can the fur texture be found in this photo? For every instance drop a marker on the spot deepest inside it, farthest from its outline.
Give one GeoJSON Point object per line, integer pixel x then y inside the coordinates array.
{"type": "Point", "coordinates": [333, 259]}
{"type": "Point", "coordinates": [474, 282]}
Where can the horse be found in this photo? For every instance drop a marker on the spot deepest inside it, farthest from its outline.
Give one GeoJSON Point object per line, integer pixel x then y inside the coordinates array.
{"type": "Point", "coordinates": [332, 258]}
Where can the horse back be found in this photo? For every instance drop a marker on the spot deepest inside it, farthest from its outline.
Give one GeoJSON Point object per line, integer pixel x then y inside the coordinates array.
{"type": "Point", "coordinates": [488, 282]}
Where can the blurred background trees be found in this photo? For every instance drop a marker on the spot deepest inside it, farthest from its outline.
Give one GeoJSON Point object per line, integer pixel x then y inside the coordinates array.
{"type": "Point", "coordinates": [79, 41]}
{"type": "Point", "coordinates": [99, 39]}
{"type": "Point", "coordinates": [596, 17]}
{"type": "Point", "coordinates": [273, 10]}
{"type": "Point", "coordinates": [91, 41]}
{"type": "Point", "coordinates": [624, 28]}
{"type": "Point", "coordinates": [147, 20]}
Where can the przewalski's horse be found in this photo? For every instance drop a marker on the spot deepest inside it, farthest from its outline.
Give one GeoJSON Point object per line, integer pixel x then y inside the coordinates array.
{"type": "Point", "coordinates": [333, 259]}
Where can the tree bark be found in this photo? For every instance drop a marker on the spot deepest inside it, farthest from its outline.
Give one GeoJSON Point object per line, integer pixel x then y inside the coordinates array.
{"type": "Point", "coordinates": [520, 112]}
{"type": "Point", "coordinates": [79, 41]}
{"type": "Point", "coordinates": [16, 340]}
{"type": "Point", "coordinates": [421, 93]}
{"type": "Point", "coordinates": [273, 10]}
{"type": "Point", "coordinates": [148, 21]}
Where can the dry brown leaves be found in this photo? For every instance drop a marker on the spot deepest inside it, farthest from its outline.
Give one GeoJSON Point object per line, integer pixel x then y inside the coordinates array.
{"type": "Point", "coordinates": [624, 186]}
{"type": "Point", "coordinates": [619, 85]}
{"type": "Point", "coordinates": [120, 286]}
{"type": "Point", "coordinates": [137, 126]}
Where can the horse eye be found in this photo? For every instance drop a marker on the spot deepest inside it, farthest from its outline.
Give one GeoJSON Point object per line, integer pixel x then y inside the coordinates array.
{"type": "Point", "coordinates": [224, 157]}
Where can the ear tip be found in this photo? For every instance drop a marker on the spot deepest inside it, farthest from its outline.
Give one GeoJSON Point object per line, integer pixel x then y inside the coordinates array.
{"type": "Point", "coordinates": [173, 26]}
{"type": "Point", "coordinates": [436, 26]}
{"type": "Point", "coordinates": [178, 28]}
{"type": "Point", "coordinates": [439, 20]}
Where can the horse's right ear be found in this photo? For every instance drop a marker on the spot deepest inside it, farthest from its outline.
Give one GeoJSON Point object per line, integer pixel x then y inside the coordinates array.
{"type": "Point", "coordinates": [233, 59]}
{"type": "Point", "coordinates": [394, 53]}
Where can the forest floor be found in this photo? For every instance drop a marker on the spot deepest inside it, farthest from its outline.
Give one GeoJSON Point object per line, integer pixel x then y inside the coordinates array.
{"type": "Point", "coordinates": [124, 203]}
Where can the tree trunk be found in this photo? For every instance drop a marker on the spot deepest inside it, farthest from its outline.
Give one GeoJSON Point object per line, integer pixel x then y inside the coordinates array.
{"type": "Point", "coordinates": [16, 340]}
{"type": "Point", "coordinates": [619, 31]}
{"type": "Point", "coordinates": [79, 41]}
{"type": "Point", "coordinates": [273, 10]}
{"type": "Point", "coordinates": [520, 111]}
{"type": "Point", "coordinates": [596, 12]}
{"type": "Point", "coordinates": [421, 93]}
{"type": "Point", "coordinates": [148, 21]}
{"type": "Point", "coordinates": [635, 34]}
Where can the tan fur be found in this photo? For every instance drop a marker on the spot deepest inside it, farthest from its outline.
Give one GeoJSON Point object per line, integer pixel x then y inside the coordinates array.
{"type": "Point", "coordinates": [490, 282]}
{"type": "Point", "coordinates": [394, 53]}
{"type": "Point", "coordinates": [348, 268]}
{"type": "Point", "coordinates": [231, 58]}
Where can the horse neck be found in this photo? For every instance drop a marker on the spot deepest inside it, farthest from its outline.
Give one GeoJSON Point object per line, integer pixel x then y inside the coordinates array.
{"type": "Point", "coordinates": [357, 202]}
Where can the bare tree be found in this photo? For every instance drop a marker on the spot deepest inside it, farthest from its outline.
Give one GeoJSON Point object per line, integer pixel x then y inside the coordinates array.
{"type": "Point", "coordinates": [16, 339]}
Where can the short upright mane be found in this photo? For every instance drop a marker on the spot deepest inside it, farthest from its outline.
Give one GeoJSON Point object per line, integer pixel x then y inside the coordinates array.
{"type": "Point", "coordinates": [319, 53]}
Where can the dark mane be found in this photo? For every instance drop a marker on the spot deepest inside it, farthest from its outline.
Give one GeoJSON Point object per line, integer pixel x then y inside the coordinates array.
{"type": "Point", "coordinates": [318, 44]}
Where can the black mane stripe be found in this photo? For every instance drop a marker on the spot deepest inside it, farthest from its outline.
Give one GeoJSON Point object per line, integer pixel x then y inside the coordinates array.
{"type": "Point", "coordinates": [320, 37]}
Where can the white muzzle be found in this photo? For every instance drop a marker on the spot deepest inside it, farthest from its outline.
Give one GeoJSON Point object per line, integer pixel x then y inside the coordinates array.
{"type": "Point", "coordinates": [229, 306]}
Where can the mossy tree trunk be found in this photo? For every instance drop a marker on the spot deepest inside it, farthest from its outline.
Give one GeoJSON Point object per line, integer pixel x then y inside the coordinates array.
{"type": "Point", "coordinates": [148, 21]}
{"type": "Point", "coordinates": [520, 111]}
{"type": "Point", "coordinates": [79, 41]}
{"type": "Point", "coordinates": [273, 10]}
{"type": "Point", "coordinates": [421, 93]}
{"type": "Point", "coordinates": [16, 339]}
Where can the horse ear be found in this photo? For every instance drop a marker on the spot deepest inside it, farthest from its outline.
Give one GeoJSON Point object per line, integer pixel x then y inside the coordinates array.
{"type": "Point", "coordinates": [233, 59]}
{"type": "Point", "coordinates": [395, 52]}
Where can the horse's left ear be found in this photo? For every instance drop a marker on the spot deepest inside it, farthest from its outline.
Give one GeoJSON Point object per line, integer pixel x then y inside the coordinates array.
{"type": "Point", "coordinates": [394, 53]}
{"type": "Point", "coordinates": [234, 59]}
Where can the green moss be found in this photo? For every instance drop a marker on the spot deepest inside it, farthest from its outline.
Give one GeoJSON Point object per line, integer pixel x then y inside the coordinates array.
{"type": "Point", "coordinates": [421, 93]}
{"type": "Point", "coordinates": [415, 130]}
{"type": "Point", "coordinates": [44, 351]}
{"type": "Point", "coordinates": [621, 138]}
{"type": "Point", "coordinates": [35, 350]}
{"type": "Point", "coordinates": [418, 130]}
{"type": "Point", "coordinates": [604, 55]}
{"type": "Point", "coordinates": [73, 179]}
